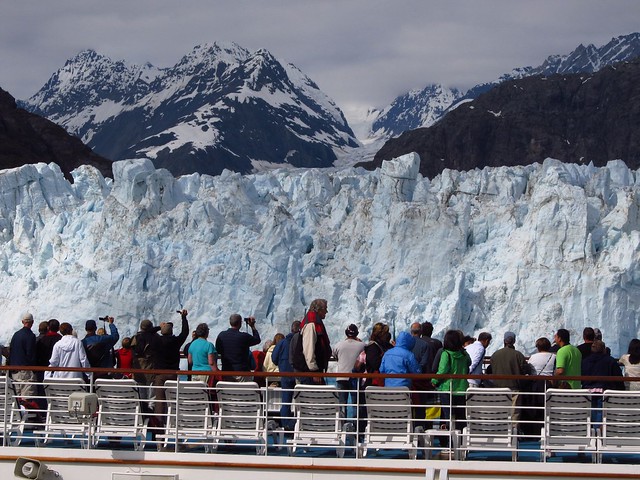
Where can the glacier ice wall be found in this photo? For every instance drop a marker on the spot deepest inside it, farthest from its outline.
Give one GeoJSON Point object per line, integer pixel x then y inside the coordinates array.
{"type": "Point", "coordinates": [528, 249]}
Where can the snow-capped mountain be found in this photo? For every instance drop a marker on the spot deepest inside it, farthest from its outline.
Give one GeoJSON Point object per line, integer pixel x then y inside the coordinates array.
{"type": "Point", "coordinates": [581, 117]}
{"type": "Point", "coordinates": [524, 248]}
{"type": "Point", "coordinates": [587, 59]}
{"type": "Point", "coordinates": [417, 108]}
{"type": "Point", "coordinates": [425, 107]}
{"type": "Point", "coordinates": [219, 107]}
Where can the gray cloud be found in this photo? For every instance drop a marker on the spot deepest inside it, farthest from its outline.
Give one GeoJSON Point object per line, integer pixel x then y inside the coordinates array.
{"type": "Point", "coordinates": [360, 52]}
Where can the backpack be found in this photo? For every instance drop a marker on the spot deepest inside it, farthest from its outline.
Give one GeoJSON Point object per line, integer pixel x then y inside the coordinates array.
{"type": "Point", "coordinates": [96, 353]}
{"type": "Point", "coordinates": [296, 355]}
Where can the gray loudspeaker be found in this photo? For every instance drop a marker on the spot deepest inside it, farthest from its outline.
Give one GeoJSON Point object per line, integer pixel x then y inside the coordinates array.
{"type": "Point", "coordinates": [29, 468]}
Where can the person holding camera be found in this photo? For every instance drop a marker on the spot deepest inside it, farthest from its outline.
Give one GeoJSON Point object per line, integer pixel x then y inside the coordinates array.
{"type": "Point", "coordinates": [233, 347]}
{"type": "Point", "coordinates": [98, 347]}
{"type": "Point", "coordinates": [166, 356]}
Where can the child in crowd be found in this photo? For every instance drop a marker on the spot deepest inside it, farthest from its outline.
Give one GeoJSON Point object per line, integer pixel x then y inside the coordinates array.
{"type": "Point", "coordinates": [124, 357]}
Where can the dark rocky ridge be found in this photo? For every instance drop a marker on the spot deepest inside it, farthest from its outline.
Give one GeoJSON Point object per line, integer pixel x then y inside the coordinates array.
{"type": "Point", "coordinates": [578, 118]}
{"type": "Point", "coordinates": [423, 109]}
{"type": "Point", "coordinates": [28, 138]}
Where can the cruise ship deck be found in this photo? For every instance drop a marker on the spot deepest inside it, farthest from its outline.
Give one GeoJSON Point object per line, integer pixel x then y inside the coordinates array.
{"type": "Point", "coordinates": [116, 429]}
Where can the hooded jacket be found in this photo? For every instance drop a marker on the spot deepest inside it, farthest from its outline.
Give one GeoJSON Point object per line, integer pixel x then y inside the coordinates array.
{"type": "Point", "coordinates": [280, 355]}
{"type": "Point", "coordinates": [68, 352]}
{"type": "Point", "coordinates": [400, 359]}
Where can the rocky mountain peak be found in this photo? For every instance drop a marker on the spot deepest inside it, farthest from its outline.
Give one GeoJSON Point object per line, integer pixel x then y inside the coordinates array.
{"type": "Point", "coordinates": [220, 106]}
{"type": "Point", "coordinates": [29, 138]}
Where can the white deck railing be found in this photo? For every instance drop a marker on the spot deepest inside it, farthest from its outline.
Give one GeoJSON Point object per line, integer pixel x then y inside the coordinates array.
{"type": "Point", "coordinates": [510, 426]}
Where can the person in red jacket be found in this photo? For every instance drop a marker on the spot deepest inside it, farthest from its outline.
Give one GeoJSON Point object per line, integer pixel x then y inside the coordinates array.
{"type": "Point", "coordinates": [124, 357]}
{"type": "Point", "coordinates": [316, 346]}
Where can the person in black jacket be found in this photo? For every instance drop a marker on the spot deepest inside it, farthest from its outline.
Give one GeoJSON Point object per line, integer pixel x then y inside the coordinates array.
{"type": "Point", "coordinates": [600, 364]}
{"type": "Point", "coordinates": [166, 356]}
{"type": "Point", "coordinates": [233, 347]}
{"type": "Point", "coordinates": [44, 349]}
{"type": "Point", "coordinates": [142, 345]}
{"type": "Point", "coordinates": [22, 352]}
{"type": "Point", "coordinates": [45, 343]}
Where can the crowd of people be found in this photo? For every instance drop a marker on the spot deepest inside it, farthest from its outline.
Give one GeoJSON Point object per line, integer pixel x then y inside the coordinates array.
{"type": "Point", "coordinates": [307, 349]}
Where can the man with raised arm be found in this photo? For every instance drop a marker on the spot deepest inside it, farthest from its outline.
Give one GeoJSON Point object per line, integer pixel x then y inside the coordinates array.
{"type": "Point", "coordinates": [166, 356]}
{"type": "Point", "coordinates": [98, 347]}
{"type": "Point", "coordinates": [233, 347]}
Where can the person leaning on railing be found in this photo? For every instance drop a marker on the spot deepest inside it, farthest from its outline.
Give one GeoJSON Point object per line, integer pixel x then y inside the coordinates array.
{"type": "Point", "coordinates": [631, 363]}
{"type": "Point", "coordinates": [68, 352]}
{"type": "Point", "coordinates": [454, 360]}
{"type": "Point", "coordinates": [22, 352]}
{"type": "Point", "coordinates": [280, 358]}
{"type": "Point", "coordinates": [316, 346]}
{"type": "Point", "coordinates": [568, 360]}
{"type": "Point", "coordinates": [166, 353]}
{"type": "Point", "coordinates": [202, 354]}
{"type": "Point", "coordinates": [142, 344]}
{"type": "Point", "coordinates": [233, 347]}
{"type": "Point", "coordinates": [600, 364]}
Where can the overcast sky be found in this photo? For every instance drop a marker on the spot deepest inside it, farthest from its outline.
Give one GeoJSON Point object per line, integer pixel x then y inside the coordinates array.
{"type": "Point", "coordinates": [360, 52]}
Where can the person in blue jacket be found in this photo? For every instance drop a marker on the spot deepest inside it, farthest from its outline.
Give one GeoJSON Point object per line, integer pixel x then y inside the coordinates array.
{"type": "Point", "coordinates": [400, 359]}
{"type": "Point", "coordinates": [280, 357]}
{"type": "Point", "coordinates": [98, 347]}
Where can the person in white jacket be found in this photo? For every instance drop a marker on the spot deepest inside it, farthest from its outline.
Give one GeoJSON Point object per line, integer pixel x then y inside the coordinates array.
{"type": "Point", "coordinates": [477, 351]}
{"type": "Point", "coordinates": [67, 352]}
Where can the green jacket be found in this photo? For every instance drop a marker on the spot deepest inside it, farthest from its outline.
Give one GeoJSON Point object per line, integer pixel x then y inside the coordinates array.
{"type": "Point", "coordinates": [455, 363]}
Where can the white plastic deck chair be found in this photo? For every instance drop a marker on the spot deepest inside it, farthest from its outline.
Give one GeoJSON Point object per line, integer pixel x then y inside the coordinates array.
{"type": "Point", "coordinates": [389, 423]}
{"type": "Point", "coordinates": [241, 416]}
{"type": "Point", "coordinates": [120, 412]}
{"type": "Point", "coordinates": [189, 416]}
{"type": "Point", "coordinates": [12, 421]}
{"type": "Point", "coordinates": [620, 432]}
{"type": "Point", "coordinates": [567, 423]}
{"type": "Point", "coordinates": [489, 425]}
{"type": "Point", "coordinates": [59, 422]}
{"type": "Point", "coordinates": [318, 419]}
{"type": "Point", "coordinates": [274, 400]}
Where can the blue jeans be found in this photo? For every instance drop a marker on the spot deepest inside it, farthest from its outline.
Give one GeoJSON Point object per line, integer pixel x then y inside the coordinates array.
{"type": "Point", "coordinates": [347, 394]}
{"type": "Point", "coordinates": [596, 410]}
{"type": "Point", "coordinates": [452, 406]}
{"type": "Point", "coordinates": [287, 384]}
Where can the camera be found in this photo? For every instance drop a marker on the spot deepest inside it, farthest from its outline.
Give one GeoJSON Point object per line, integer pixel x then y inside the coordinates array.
{"type": "Point", "coordinates": [104, 319]}
{"type": "Point", "coordinates": [250, 321]}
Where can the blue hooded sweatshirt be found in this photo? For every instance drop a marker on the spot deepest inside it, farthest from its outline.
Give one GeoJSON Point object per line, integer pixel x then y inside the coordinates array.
{"type": "Point", "coordinates": [400, 359]}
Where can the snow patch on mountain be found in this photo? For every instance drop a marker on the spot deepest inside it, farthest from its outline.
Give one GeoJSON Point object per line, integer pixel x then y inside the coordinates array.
{"type": "Point", "coordinates": [188, 133]}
